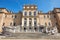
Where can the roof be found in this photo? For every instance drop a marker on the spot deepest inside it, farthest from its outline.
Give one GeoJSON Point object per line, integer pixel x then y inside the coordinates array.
{"type": "Point", "coordinates": [30, 5]}
{"type": "Point", "coordinates": [2, 8]}
{"type": "Point", "coordinates": [56, 8]}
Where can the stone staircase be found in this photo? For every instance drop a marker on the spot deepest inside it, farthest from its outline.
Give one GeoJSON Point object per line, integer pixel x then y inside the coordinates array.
{"type": "Point", "coordinates": [31, 36]}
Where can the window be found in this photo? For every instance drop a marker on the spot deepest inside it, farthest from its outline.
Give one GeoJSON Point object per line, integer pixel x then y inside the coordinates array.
{"type": "Point", "coordinates": [47, 16]}
{"type": "Point", "coordinates": [14, 24]}
{"type": "Point", "coordinates": [35, 28]}
{"type": "Point", "coordinates": [10, 24]}
{"type": "Point", "coordinates": [45, 24]}
{"type": "Point", "coordinates": [15, 16]}
{"type": "Point", "coordinates": [30, 23]}
{"type": "Point", "coordinates": [24, 29]}
{"type": "Point", "coordinates": [20, 23]}
{"type": "Point", "coordinates": [35, 23]}
{"type": "Point", "coordinates": [35, 13]}
{"type": "Point", "coordinates": [12, 16]}
{"type": "Point", "coordinates": [49, 23]}
{"type": "Point", "coordinates": [25, 13]}
{"type": "Point", "coordinates": [30, 13]}
{"type": "Point", "coordinates": [25, 23]}
{"type": "Point", "coordinates": [44, 16]}
{"type": "Point", "coordinates": [30, 19]}
{"type": "Point", "coordinates": [3, 24]}
{"type": "Point", "coordinates": [35, 19]}
{"type": "Point", "coordinates": [30, 28]}
{"type": "Point", "coordinates": [25, 19]}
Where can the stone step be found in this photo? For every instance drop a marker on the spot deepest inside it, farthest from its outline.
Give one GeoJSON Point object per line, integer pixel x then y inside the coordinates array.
{"type": "Point", "coordinates": [31, 36]}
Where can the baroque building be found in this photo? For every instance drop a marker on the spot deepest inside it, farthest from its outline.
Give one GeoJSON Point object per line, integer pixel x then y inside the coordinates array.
{"type": "Point", "coordinates": [8, 18]}
{"type": "Point", "coordinates": [30, 19]}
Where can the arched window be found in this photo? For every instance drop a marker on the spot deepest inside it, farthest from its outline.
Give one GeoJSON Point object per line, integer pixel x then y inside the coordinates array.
{"type": "Point", "coordinates": [10, 24]}
{"type": "Point", "coordinates": [3, 24]}
{"type": "Point", "coordinates": [24, 28]}
{"type": "Point", "coordinates": [35, 28]}
{"type": "Point", "coordinates": [14, 24]}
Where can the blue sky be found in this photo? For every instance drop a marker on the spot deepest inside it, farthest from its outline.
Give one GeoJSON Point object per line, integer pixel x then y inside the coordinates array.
{"type": "Point", "coordinates": [43, 5]}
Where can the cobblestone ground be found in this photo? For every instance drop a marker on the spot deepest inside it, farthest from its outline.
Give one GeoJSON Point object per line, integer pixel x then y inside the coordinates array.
{"type": "Point", "coordinates": [30, 36]}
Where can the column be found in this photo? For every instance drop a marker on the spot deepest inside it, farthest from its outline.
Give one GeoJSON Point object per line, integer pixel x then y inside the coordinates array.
{"type": "Point", "coordinates": [33, 24]}
{"type": "Point", "coordinates": [22, 24]}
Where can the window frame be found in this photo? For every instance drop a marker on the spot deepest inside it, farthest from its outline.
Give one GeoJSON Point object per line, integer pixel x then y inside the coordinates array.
{"type": "Point", "coordinates": [34, 13]}
{"type": "Point", "coordinates": [25, 13]}
{"type": "Point", "coordinates": [30, 13]}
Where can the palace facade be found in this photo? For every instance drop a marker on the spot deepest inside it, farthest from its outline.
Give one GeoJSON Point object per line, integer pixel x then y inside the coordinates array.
{"type": "Point", "coordinates": [30, 19]}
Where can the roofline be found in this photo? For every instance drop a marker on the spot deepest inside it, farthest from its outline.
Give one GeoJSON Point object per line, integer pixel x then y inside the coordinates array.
{"type": "Point", "coordinates": [56, 8]}
{"type": "Point", "coordinates": [2, 8]}
{"type": "Point", "coordinates": [30, 5]}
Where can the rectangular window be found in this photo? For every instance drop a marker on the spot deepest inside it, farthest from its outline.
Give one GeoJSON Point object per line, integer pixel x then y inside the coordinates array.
{"type": "Point", "coordinates": [15, 16]}
{"type": "Point", "coordinates": [30, 23]}
{"type": "Point", "coordinates": [47, 16]}
{"type": "Point", "coordinates": [35, 13]}
{"type": "Point", "coordinates": [30, 19]}
{"type": "Point", "coordinates": [25, 19]}
{"type": "Point", "coordinates": [3, 24]}
{"type": "Point", "coordinates": [45, 24]}
{"type": "Point", "coordinates": [25, 13]}
{"type": "Point", "coordinates": [34, 18]}
{"type": "Point", "coordinates": [44, 16]}
{"type": "Point", "coordinates": [49, 23]}
{"type": "Point", "coordinates": [25, 23]}
{"type": "Point", "coordinates": [30, 13]}
{"type": "Point", "coordinates": [35, 23]}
